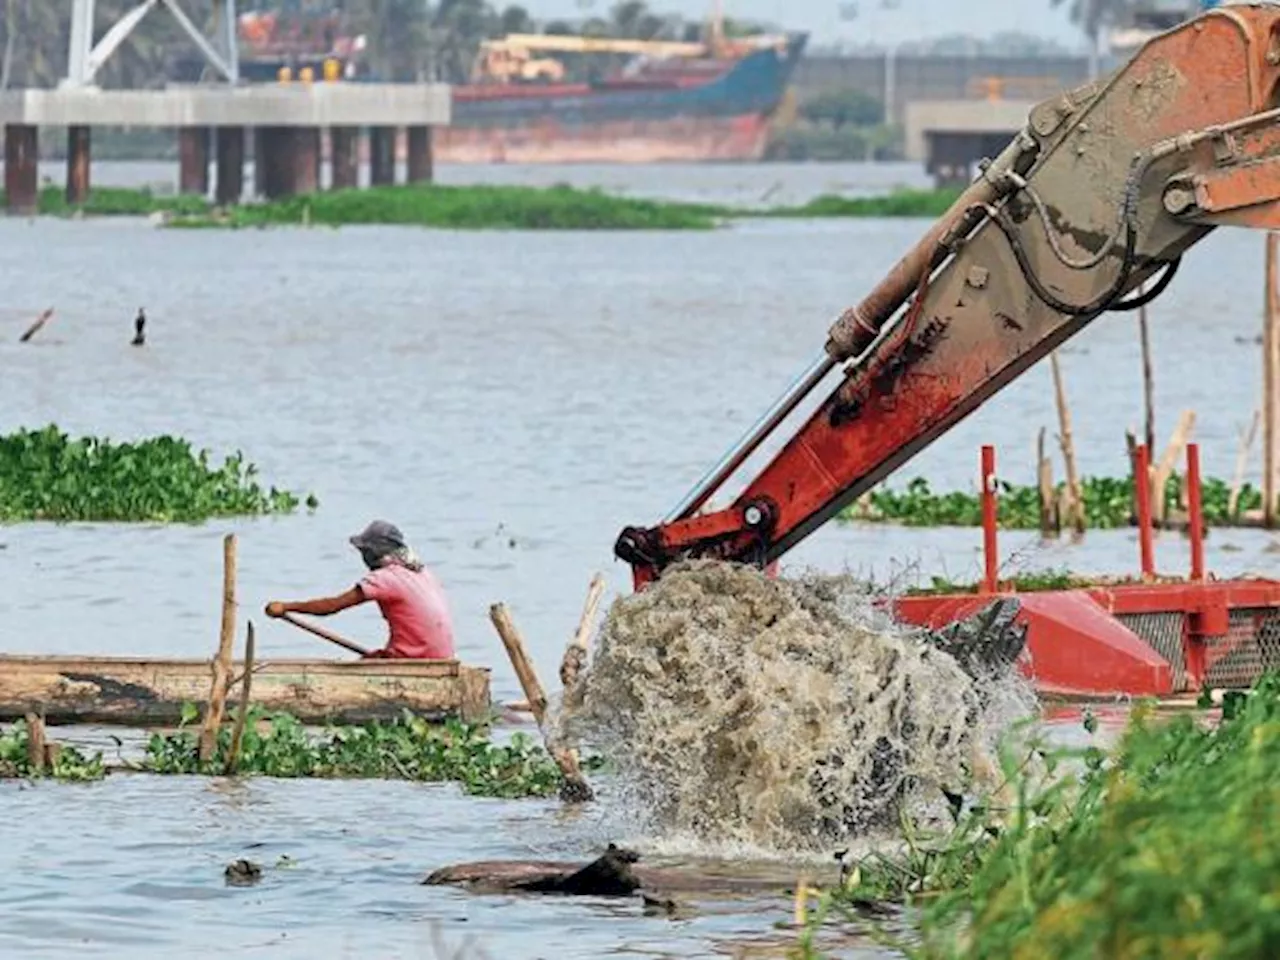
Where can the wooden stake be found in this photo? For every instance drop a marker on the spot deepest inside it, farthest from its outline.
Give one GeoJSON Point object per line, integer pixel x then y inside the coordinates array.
{"type": "Point", "coordinates": [575, 655]}
{"type": "Point", "coordinates": [233, 757]}
{"type": "Point", "coordinates": [575, 789]}
{"type": "Point", "coordinates": [1271, 384]}
{"type": "Point", "coordinates": [35, 327]}
{"type": "Point", "coordinates": [1242, 462]}
{"type": "Point", "coordinates": [222, 662]}
{"type": "Point", "coordinates": [1172, 454]}
{"type": "Point", "coordinates": [1148, 384]}
{"type": "Point", "coordinates": [1076, 517]}
{"type": "Point", "coordinates": [1044, 474]}
{"type": "Point", "coordinates": [35, 744]}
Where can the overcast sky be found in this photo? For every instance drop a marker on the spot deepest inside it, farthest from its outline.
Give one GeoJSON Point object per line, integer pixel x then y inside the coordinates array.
{"type": "Point", "coordinates": [876, 20]}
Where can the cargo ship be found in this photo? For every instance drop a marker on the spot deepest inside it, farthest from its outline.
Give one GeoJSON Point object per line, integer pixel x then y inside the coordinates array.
{"type": "Point", "coordinates": [542, 98]}
{"type": "Point", "coordinates": [671, 102]}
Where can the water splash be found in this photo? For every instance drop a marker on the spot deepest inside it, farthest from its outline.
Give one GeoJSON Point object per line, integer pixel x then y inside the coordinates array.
{"type": "Point", "coordinates": [781, 714]}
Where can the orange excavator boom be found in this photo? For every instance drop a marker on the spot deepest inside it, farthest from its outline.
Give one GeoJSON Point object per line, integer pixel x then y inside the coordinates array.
{"type": "Point", "coordinates": [1097, 197]}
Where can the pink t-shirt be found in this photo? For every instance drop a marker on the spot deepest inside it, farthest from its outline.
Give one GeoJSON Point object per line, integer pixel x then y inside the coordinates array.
{"type": "Point", "coordinates": [415, 607]}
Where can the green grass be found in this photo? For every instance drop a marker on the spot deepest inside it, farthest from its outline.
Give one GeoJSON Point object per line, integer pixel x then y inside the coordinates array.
{"type": "Point", "coordinates": [1166, 846]}
{"type": "Point", "coordinates": [1107, 502]}
{"type": "Point", "coordinates": [47, 475]}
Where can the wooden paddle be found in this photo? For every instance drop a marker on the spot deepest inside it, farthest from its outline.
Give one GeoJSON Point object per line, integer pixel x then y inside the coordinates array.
{"type": "Point", "coordinates": [324, 634]}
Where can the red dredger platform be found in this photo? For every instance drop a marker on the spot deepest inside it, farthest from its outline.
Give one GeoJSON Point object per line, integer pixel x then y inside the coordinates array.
{"type": "Point", "coordinates": [1157, 637]}
{"type": "Point", "coordinates": [1139, 639]}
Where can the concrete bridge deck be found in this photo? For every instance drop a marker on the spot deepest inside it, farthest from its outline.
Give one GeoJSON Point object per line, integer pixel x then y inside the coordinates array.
{"type": "Point", "coordinates": [288, 121]}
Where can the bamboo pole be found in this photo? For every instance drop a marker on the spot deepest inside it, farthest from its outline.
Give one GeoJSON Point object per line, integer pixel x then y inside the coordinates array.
{"type": "Point", "coordinates": [575, 654]}
{"type": "Point", "coordinates": [222, 662]}
{"type": "Point", "coordinates": [1148, 381]}
{"type": "Point", "coordinates": [1076, 499]}
{"type": "Point", "coordinates": [1044, 475]}
{"type": "Point", "coordinates": [1172, 454]}
{"type": "Point", "coordinates": [237, 736]}
{"type": "Point", "coordinates": [575, 788]}
{"type": "Point", "coordinates": [1247, 438]}
{"type": "Point", "coordinates": [35, 744]}
{"type": "Point", "coordinates": [40, 321]}
{"type": "Point", "coordinates": [1271, 382]}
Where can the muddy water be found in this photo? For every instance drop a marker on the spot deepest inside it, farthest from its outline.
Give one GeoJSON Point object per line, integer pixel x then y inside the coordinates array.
{"type": "Point", "coordinates": [511, 401]}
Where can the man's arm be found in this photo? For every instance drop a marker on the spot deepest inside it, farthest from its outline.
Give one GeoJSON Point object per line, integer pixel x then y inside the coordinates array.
{"type": "Point", "coordinates": [321, 607]}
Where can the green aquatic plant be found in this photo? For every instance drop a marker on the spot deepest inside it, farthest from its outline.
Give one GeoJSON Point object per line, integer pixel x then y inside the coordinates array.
{"type": "Point", "coordinates": [47, 475]}
{"type": "Point", "coordinates": [67, 762]}
{"type": "Point", "coordinates": [1166, 845]}
{"type": "Point", "coordinates": [899, 203]}
{"type": "Point", "coordinates": [469, 208]}
{"type": "Point", "coordinates": [1031, 581]}
{"type": "Point", "coordinates": [1108, 503]}
{"type": "Point", "coordinates": [408, 748]}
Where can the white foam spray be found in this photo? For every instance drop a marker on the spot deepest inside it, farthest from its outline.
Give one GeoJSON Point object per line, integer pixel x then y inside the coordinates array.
{"type": "Point", "coordinates": [788, 715]}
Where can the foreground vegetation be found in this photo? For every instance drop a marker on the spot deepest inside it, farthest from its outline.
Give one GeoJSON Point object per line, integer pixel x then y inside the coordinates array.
{"type": "Point", "coordinates": [1108, 503]}
{"type": "Point", "coordinates": [1165, 846]}
{"type": "Point", "coordinates": [47, 475]}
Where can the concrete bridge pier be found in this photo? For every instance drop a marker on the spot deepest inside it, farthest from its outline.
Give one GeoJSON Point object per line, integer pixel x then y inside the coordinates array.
{"type": "Point", "coordinates": [344, 156]}
{"type": "Point", "coordinates": [78, 165]}
{"type": "Point", "coordinates": [193, 160]}
{"type": "Point", "coordinates": [290, 159]}
{"type": "Point", "coordinates": [21, 174]}
{"type": "Point", "coordinates": [382, 156]}
{"type": "Point", "coordinates": [421, 161]}
{"type": "Point", "coordinates": [229, 180]}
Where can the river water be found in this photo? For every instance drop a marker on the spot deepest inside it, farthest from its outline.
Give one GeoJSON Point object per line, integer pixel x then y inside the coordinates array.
{"type": "Point", "coordinates": [511, 400]}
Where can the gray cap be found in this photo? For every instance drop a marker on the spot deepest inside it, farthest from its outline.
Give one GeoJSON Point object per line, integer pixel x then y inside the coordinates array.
{"type": "Point", "coordinates": [380, 538]}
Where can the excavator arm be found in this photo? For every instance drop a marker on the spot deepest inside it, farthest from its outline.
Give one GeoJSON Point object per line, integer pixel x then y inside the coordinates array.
{"type": "Point", "coordinates": [1095, 201]}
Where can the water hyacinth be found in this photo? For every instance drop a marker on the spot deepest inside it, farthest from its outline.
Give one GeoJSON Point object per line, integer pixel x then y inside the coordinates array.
{"type": "Point", "coordinates": [47, 475]}
{"type": "Point", "coordinates": [68, 763]}
{"type": "Point", "coordinates": [1108, 504]}
{"type": "Point", "coordinates": [409, 748]}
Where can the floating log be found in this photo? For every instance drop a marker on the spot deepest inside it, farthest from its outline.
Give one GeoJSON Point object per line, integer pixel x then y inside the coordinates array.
{"type": "Point", "coordinates": [35, 328]}
{"type": "Point", "coordinates": [136, 692]}
{"type": "Point", "coordinates": [617, 873]}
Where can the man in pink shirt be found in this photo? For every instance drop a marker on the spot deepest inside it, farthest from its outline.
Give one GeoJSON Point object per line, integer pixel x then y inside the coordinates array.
{"type": "Point", "coordinates": [407, 593]}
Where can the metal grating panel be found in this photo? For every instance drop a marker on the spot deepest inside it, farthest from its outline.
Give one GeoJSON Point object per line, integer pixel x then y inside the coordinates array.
{"type": "Point", "coordinates": [1250, 648]}
{"type": "Point", "coordinates": [1163, 631]}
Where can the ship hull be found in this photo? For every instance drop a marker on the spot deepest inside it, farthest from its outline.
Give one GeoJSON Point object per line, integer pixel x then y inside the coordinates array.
{"type": "Point", "coordinates": [546, 141]}
{"type": "Point", "coordinates": [720, 117]}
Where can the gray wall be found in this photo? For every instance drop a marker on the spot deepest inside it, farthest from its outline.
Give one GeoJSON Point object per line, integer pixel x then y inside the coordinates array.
{"type": "Point", "coordinates": [939, 77]}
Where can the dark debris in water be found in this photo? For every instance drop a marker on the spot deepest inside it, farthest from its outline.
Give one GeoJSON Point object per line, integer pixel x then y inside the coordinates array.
{"type": "Point", "coordinates": [242, 873]}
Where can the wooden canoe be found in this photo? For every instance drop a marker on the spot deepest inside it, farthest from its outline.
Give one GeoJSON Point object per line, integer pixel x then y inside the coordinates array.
{"type": "Point", "coordinates": [136, 692]}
